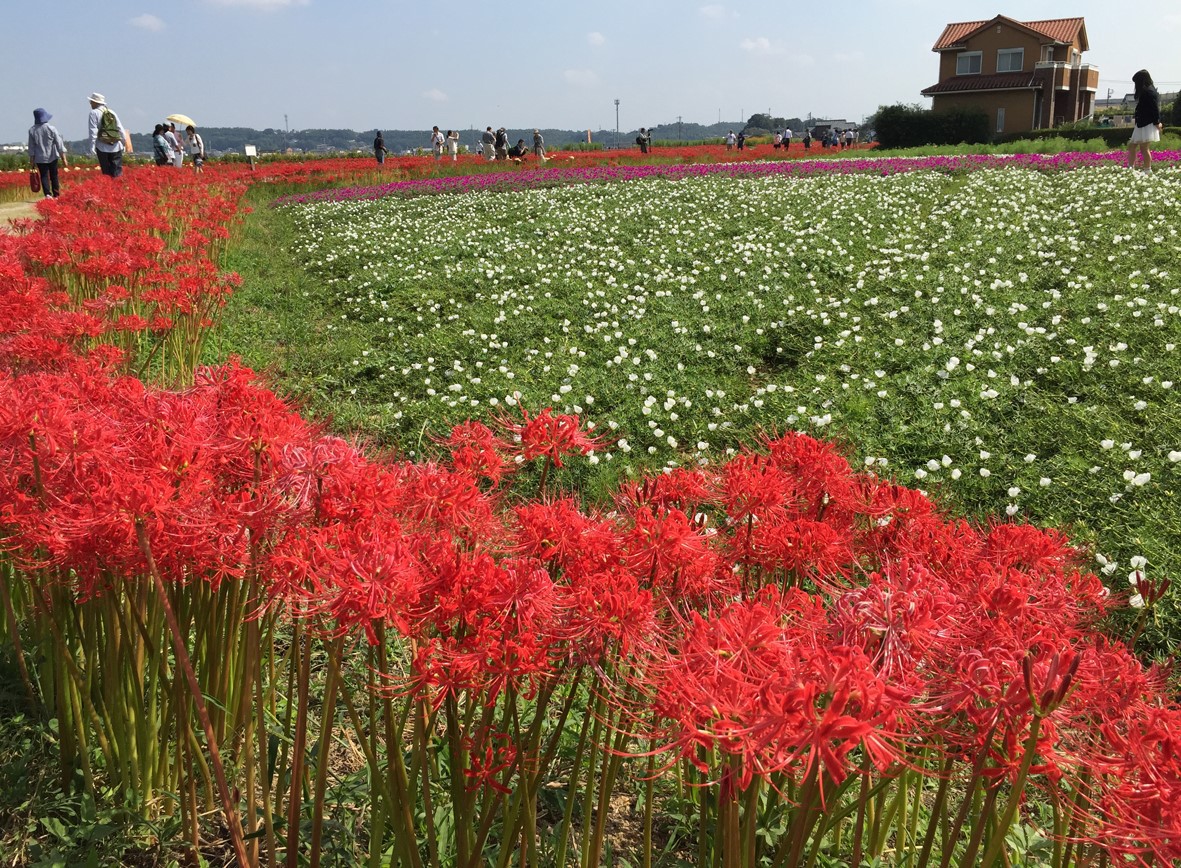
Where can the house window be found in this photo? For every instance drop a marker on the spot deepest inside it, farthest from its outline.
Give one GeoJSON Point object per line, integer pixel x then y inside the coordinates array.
{"type": "Point", "coordinates": [1000, 120]}
{"type": "Point", "coordinates": [1010, 59]}
{"type": "Point", "coordinates": [1076, 58]}
{"type": "Point", "coordinates": [1047, 54]}
{"type": "Point", "coordinates": [968, 63]}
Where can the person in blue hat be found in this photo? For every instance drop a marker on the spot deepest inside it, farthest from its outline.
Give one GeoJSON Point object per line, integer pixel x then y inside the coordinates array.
{"type": "Point", "coordinates": [46, 147]}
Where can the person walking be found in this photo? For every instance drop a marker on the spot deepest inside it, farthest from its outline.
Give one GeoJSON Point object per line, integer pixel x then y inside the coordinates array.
{"type": "Point", "coordinates": [501, 144]}
{"type": "Point", "coordinates": [453, 144]}
{"type": "Point", "coordinates": [731, 140]}
{"type": "Point", "coordinates": [1148, 121]}
{"type": "Point", "coordinates": [539, 145]}
{"type": "Point", "coordinates": [46, 147]}
{"type": "Point", "coordinates": [787, 138]}
{"type": "Point", "coordinates": [379, 148]}
{"type": "Point", "coordinates": [488, 140]}
{"type": "Point", "coordinates": [107, 136]}
{"type": "Point", "coordinates": [644, 140]}
{"type": "Point", "coordinates": [437, 140]}
{"type": "Point", "coordinates": [850, 137]}
{"type": "Point", "coordinates": [196, 146]}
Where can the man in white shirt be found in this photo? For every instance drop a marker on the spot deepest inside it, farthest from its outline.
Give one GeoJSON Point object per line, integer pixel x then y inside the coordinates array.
{"type": "Point", "coordinates": [178, 153]}
{"type": "Point", "coordinates": [106, 139]}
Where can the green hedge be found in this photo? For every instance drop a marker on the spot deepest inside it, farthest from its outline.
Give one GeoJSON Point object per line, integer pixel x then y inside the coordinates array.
{"type": "Point", "coordinates": [902, 126]}
{"type": "Point", "coordinates": [1115, 137]}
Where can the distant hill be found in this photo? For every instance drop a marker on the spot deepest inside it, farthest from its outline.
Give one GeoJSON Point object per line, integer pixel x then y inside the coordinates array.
{"type": "Point", "coordinates": [232, 139]}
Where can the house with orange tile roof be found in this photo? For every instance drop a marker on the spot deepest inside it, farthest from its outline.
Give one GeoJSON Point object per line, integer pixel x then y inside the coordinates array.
{"type": "Point", "coordinates": [1024, 75]}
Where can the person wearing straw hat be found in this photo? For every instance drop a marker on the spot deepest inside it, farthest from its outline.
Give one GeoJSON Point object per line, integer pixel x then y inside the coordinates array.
{"type": "Point", "coordinates": [106, 136]}
{"type": "Point", "coordinates": [46, 147]}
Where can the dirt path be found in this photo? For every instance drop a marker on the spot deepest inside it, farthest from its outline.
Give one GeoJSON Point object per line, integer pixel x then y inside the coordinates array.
{"type": "Point", "coordinates": [10, 211]}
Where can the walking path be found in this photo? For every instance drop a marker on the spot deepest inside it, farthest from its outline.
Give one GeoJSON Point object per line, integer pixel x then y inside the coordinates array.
{"type": "Point", "coordinates": [10, 211]}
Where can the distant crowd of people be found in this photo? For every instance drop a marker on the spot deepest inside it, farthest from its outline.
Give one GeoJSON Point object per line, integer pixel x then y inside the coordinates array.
{"type": "Point", "coordinates": [830, 138]}
{"type": "Point", "coordinates": [492, 144]}
{"type": "Point", "coordinates": [108, 141]}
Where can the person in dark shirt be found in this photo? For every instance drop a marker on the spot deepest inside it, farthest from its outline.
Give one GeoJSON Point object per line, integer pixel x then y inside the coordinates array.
{"type": "Point", "coordinates": [379, 148]}
{"type": "Point", "coordinates": [1148, 122]}
{"type": "Point", "coordinates": [518, 150]}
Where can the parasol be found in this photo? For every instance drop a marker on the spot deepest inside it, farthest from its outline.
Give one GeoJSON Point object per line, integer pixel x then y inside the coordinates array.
{"type": "Point", "coordinates": [183, 120]}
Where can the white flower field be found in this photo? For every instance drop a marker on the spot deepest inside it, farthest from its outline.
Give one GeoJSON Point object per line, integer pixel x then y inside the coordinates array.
{"type": "Point", "coordinates": [1006, 339]}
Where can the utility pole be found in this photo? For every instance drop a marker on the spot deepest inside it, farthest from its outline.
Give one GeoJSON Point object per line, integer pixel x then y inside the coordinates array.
{"type": "Point", "coordinates": [617, 123]}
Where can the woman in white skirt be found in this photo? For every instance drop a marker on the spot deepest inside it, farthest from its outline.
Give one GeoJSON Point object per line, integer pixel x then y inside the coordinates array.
{"type": "Point", "coordinates": [1148, 123]}
{"type": "Point", "coordinates": [453, 144]}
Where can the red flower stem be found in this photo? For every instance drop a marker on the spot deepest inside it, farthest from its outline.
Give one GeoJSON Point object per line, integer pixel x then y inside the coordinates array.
{"type": "Point", "coordinates": [969, 795]}
{"type": "Point", "coordinates": [649, 782]}
{"type": "Point", "coordinates": [299, 744]}
{"type": "Point", "coordinates": [186, 664]}
{"type": "Point", "coordinates": [263, 741]}
{"type": "Point", "coordinates": [396, 770]}
{"type": "Point", "coordinates": [459, 797]}
{"type": "Point", "coordinates": [419, 765]}
{"type": "Point", "coordinates": [992, 855]}
{"type": "Point", "coordinates": [936, 812]}
{"type": "Point", "coordinates": [592, 775]}
{"type": "Point", "coordinates": [750, 822]}
{"type": "Point", "coordinates": [327, 719]}
{"type": "Point", "coordinates": [14, 634]}
{"type": "Point", "coordinates": [983, 818]}
{"type": "Point", "coordinates": [564, 830]}
{"type": "Point", "coordinates": [1076, 816]}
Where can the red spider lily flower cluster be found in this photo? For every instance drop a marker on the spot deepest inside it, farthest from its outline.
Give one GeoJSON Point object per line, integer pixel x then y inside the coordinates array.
{"type": "Point", "coordinates": [782, 616]}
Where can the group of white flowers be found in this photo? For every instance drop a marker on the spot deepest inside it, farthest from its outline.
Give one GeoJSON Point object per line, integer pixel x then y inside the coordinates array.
{"type": "Point", "coordinates": [1005, 338]}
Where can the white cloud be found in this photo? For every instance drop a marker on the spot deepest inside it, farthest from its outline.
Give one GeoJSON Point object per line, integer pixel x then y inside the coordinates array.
{"type": "Point", "coordinates": [147, 21]}
{"type": "Point", "coordinates": [261, 4]}
{"type": "Point", "coordinates": [596, 38]}
{"type": "Point", "coordinates": [581, 77]}
{"type": "Point", "coordinates": [759, 45]}
{"type": "Point", "coordinates": [848, 57]}
{"type": "Point", "coordinates": [717, 12]}
{"type": "Point", "coordinates": [434, 95]}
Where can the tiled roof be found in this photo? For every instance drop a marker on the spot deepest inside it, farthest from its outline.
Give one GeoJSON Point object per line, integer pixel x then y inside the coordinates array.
{"type": "Point", "coordinates": [1055, 30]}
{"type": "Point", "coordinates": [1000, 81]}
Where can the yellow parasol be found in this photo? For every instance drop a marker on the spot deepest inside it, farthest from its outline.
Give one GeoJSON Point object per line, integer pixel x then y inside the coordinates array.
{"type": "Point", "coordinates": [183, 120]}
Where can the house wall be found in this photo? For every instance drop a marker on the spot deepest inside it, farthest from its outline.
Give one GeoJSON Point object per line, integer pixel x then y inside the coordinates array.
{"type": "Point", "coordinates": [989, 42]}
{"type": "Point", "coordinates": [1018, 106]}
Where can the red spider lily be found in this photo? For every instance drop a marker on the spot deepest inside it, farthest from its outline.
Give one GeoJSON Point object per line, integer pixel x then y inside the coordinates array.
{"type": "Point", "coordinates": [552, 437]}
{"type": "Point", "coordinates": [677, 557]}
{"type": "Point", "coordinates": [476, 451]}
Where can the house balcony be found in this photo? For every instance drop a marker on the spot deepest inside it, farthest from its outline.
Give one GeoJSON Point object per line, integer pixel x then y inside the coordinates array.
{"type": "Point", "coordinates": [1065, 76]}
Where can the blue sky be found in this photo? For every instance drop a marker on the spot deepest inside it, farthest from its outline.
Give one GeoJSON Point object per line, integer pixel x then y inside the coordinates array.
{"type": "Point", "coordinates": [365, 64]}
